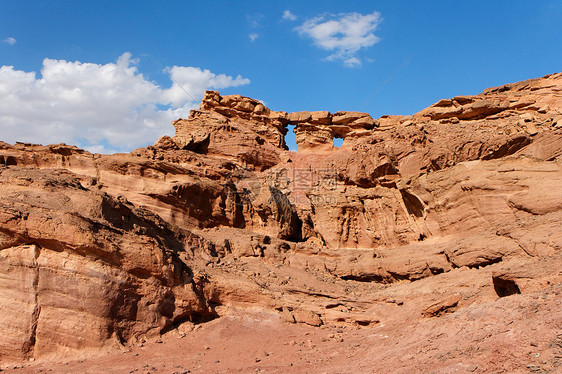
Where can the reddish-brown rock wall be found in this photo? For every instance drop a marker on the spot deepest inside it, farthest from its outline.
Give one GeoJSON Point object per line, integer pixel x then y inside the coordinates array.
{"type": "Point", "coordinates": [414, 215]}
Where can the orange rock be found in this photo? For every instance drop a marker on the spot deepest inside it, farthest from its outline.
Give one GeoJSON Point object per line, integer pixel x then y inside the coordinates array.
{"type": "Point", "coordinates": [411, 212]}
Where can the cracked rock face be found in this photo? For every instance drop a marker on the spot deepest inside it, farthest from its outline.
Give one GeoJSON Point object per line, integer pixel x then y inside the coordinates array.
{"type": "Point", "coordinates": [413, 217]}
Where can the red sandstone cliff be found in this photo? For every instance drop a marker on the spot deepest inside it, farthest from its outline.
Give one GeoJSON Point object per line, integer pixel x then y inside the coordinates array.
{"type": "Point", "coordinates": [418, 215]}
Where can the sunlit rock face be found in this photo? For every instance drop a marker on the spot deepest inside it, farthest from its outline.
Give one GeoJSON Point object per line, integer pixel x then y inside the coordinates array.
{"type": "Point", "coordinates": [412, 217]}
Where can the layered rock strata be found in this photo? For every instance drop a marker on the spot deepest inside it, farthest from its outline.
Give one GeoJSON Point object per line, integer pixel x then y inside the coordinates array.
{"type": "Point", "coordinates": [415, 215]}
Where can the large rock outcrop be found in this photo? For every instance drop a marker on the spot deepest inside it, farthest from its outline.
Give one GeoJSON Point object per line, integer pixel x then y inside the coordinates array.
{"type": "Point", "coordinates": [415, 215]}
{"type": "Point", "coordinates": [80, 267]}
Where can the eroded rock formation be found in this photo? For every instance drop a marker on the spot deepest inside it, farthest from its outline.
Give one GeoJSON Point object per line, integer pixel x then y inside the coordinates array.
{"type": "Point", "coordinates": [414, 215]}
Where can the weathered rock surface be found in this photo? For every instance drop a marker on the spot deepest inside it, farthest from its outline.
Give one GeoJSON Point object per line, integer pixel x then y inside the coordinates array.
{"type": "Point", "coordinates": [80, 267]}
{"type": "Point", "coordinates": [413, 217]}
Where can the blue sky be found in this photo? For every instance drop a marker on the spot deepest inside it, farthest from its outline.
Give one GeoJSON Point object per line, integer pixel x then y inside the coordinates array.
{"type": "Point", "coordinates": [381, 57]}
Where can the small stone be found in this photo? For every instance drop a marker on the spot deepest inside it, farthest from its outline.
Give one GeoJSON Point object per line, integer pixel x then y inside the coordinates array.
{"type": "Point", "coordinates": [526, 117]}
{"type": "Point", "coordinates": [531, 129]}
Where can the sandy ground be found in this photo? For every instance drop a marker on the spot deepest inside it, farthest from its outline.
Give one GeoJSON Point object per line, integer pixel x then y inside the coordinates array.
{"type": "Point", "coordinates": [514, 334]}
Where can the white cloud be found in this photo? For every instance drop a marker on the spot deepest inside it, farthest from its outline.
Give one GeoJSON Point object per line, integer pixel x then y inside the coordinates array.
{"type": "Point", "coordinates": [10, 41]}
{"type": "Point", "coordinates": [103, 108]}
{"type": "Point", "coordinates": [195, 81]}
{"type": "Point", "coordinates": [287, 15]}
{"type": "Point", "coordinates": [344, 34]}
{"type": "Point", "coordinates": [254, 20]}
{"type": "Point", "coordinates": [253, 36]}
{"type": "Point", "coordinates": [352, 62]}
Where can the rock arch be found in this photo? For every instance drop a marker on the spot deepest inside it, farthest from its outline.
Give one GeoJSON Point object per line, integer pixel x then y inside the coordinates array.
{"type": "Point", "coordinates": [315, 131]}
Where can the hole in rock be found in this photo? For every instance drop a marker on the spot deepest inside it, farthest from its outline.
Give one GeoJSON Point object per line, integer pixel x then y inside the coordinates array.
{"type": "Point", "coordinates": [332, 306]}
{"type": "Point", "coordinates": [7, 160]}
{"type": "Point", "coordinates": [363, 323]}
{"type": "Point", "coordinates": [291, 139]}
{"type": "Point", "coordinates": [338, 142]}
{"type": "Point", "coordinates": [413, 204]}
{"type": "Point", "coordinates": [505, 287]}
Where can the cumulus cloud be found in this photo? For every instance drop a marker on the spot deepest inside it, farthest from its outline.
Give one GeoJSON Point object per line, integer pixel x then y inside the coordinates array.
{"type": "Point", "coordinates": [104, 108]}
{"type": "Point", "coordinates": [253, 36]}
{"type": "Point", "coordinates": [344, 34]}
{"type": "Point", "coordinates": [289, 16]}
{"type": "Point", "coordinates": [10, 41]}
